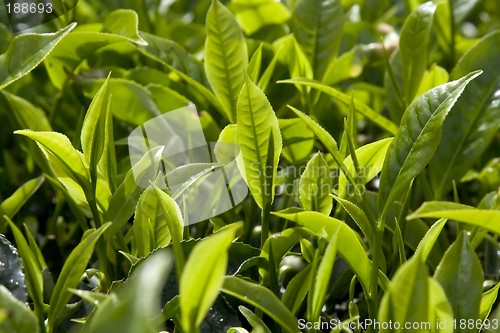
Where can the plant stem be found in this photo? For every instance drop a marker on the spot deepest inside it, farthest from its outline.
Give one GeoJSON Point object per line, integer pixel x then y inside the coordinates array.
{"type": "Point", "coordinates": [265, 216]}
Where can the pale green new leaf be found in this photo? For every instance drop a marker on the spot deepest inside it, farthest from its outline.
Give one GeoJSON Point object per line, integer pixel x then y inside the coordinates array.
{"type": "Point", "coordinates": [322, 278]}
{"type": "Point", "coordinates": [348, 245]}
{"type": "Point", "coordinates": [26, 52]}
{"type": "Point", "coordinates": [315, 186]}
{"type": "Point", "coordinates": [487, 301]}
{"type": "Point", "coordinates": [370, 160]}
{"type": "Point", "coordinates": [261, 298]}
{"type": "Point", "coordinates": [346, 99]}
{"type": "Point", "coordinates": [71, 274]}
{"type": "Point", "coordinates": [150, 231]}
{"type": "Point", "coordinates": [12, 204]}
{"type": "Point", "coordinates": [413, 44]}
{"type": "Point", "coordinates": [135, 304]}
{"type": "Point", "coordinates": [124, 22]}
{"type": "Point", "coordinates": [461, 276]}
{"type": "Point", "coordinates": [226, 57]}
{"type": "Point", "coordinates": [257, 324]}
{"type": "Point", "coordinates": [417, 140]}
{"type": "Point", "coordinates": [17, 316]}
{"type": "Point", "coordinates": [427, 243]}
{"type": "Point", "coordinates": [93, 132]}
{"type": "Point", "coordinates": [203, 276]}
{"type": "Point", "coordinates": [26, 115]}
{"type": "Point", "coordinates": [407, 297]}
{"type": "Point", "coordinates": [61, 155]}
{"type": "Point", "coordinates": [317, 26]}
{"type": "Point", "coordinates": [34, 279]}
{"type": "Point", "coordinates": [470, 128]}
{"type": "Point", "coordinates": [440, 310]}
{"type": "Point", "coordinates": [259, 139]}
{"type": "Point", "coordinates": [483, 218]}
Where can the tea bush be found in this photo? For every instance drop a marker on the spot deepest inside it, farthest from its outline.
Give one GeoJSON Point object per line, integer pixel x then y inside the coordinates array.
{"type": "Point", "coordinates": [249, 166]}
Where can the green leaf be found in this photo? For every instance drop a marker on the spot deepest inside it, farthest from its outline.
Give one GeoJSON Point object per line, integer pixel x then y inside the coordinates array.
{"type": "Point", "coordinates": [123, 22]}
{"type": "Point", "coordinates": [407, 297]}
{"type": "Point", "coordinates": [473, 124]}
{"type": "Point", "coordinates": [487, 301]}
{"type": "Point", "coordinates": [34, 278]}
{"type": "Point", "coordinates": [26, 115]}
{"type": "Point", "coordinates": [61, 155]}
{"type": "Point", "coordinates": [257, 324]}
{"type": "Point", "coordinates": [93, 134]}
{"type": "Point", "coordinates": [17, 317]}
{"type": "Point", "coordinates": [417, 140]}
{"type": "Point", "coordinates": [461, 276]}
{"type": "Point", "coordinates": [298, 140]}
{"type": "Point", "coordinates": [440, 310]}
{"type": "Point", "coordinates": [426, 244]}
{"type": "Point", "coordinates": [483, 218]}
{"type": "Point", "coordinates": [346, 99]}
{"type": "Point", "coordinates": [433, 77]}
{"type": "Point", "coordinates": [226, 57]}
{"type": "Point", "coordinates": [413, 44]}
{"type": "Point", "coordinates": [124, 200]}
{"type": "Point", "coordinates": [348, 245]}
{"type": "Point", "coordinates": [359, 216]}
{"type": "Point", "coordinates": [255, 63]}
{"type": "Point", "coordinates": [11, 272]}
{"type": "Point", "coordinates": [149, 230]}
{"type": "Point", "coordinates": [134, 305]}
{"type": "Point", "coordinates": [297, 289]}
{"type": "Point", "coordinates": [259, 139]}
{"type": "Point", "coordinates": [323, 136]}
{"type": "Point", "coordinates": [315, 186]}
{"type": "Point", "coordinates": [370, 160]}
{"type": "Point", "coordinates": [261, 298]}
{"type": "Point", "coordinates": [12, 204]}
{"type": "Point", "coordinates": [252, 15]}
{"type": "Point", "coordinates": [26, 52]}
{"type": "Point", "coordinates": [203, 276]}
{"type": "Point", "coordinates": [71, 274]}
{"type": "Point", "coordinates": [317, 26]}
{"type": "Point", "coordinates": [322, 278]}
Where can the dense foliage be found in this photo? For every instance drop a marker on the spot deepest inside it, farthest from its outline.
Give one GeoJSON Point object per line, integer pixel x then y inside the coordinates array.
{"type": "Point", "coordinates": [367, 133]}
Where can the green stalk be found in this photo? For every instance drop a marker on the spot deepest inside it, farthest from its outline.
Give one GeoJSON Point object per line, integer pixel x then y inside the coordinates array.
{"type": "Point", "coordinates": [265, 217]}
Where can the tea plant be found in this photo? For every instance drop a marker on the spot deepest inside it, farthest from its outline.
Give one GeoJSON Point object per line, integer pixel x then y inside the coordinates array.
{"type": "Point", "coordinates": [366, 134]}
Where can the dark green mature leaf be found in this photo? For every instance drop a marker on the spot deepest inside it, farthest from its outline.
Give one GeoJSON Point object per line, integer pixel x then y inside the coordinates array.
{"type": "Point", "coordinates": [346, 99]}
{"type": "Point", "coordinates": [318, 29]}
{"type": "Point", "coordinates": [133, 306]}
{"type": "Point", "coordinates": [259, 139]}
{"type": "Point", "coordinates": [26, 52]}
{"type": "Point", "coordinates": [11, 270]}
{"type": "Point", "coordinates": [71, 274]}
{"type": "Point", "coordinates": [473, 124]}
{"type": "Point", "coordinates": [407, 297]}
{"type": "Point", "coordinates": [204, 275]}
{"type": "Point", "coordinates": [315, 186]}
{"type": "Point", "coordinates": [19, 318]}
{"type": "Point", "coordinates": [261, 298]}
{"type": "Point", "coordinates": [413, 46]}
{"type": "Point", "coordinates": [483, 218]}
{"type": "Point", "coordinates": [461, 276]}
{"type": "Point", "coordinates": [416, 141]}
{"type": "Point", "coordinates": [226, 57]}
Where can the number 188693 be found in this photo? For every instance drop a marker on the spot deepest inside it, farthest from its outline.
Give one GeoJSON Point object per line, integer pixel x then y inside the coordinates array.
{"type": "Point", "coordinates": [29, 8]}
